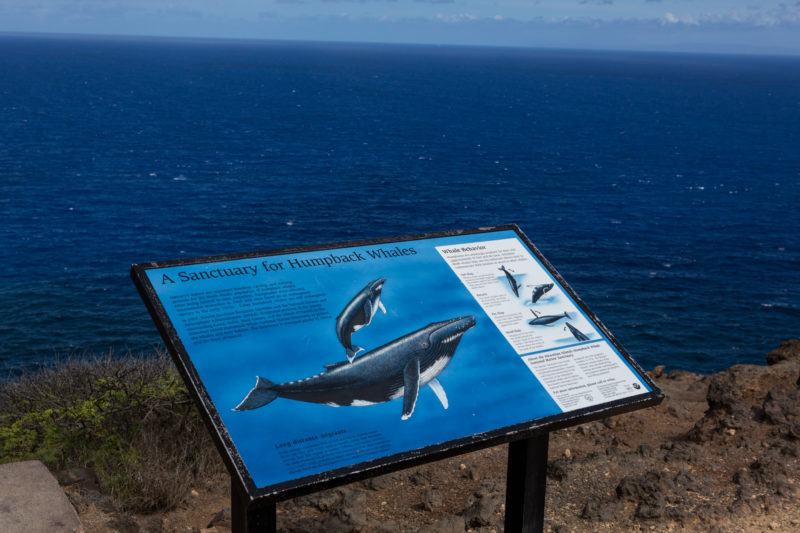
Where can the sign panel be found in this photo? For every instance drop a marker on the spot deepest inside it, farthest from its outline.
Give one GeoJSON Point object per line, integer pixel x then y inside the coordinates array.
{"type": "Point", "coordinates": [324, 362]}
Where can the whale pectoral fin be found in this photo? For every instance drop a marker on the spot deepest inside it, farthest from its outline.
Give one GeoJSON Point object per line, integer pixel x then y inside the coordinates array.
{"type": "Point", "coordinates": [259, 396]}
{"type": "Point", "coordinates": [381, 307]}
{"type": "Point", "coordinates": [437, 389]}
{"type": "Point", "coordinates": [410, 388]}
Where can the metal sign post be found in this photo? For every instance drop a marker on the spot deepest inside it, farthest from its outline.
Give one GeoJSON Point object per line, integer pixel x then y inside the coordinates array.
{"type": "Point", "coordinates": [526, 484]}
{"type": "Point", "coordinates": [248, 519]}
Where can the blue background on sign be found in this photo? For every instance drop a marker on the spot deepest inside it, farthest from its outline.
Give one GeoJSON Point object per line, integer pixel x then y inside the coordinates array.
{"type": "Point", "coordinates": [487, 384]}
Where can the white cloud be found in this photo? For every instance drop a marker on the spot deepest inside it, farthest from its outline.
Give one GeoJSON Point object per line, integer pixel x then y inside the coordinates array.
{"type": "Point", "coordinates": [781, 14]}
{"type": "Point", "coordinates": [455, 19]}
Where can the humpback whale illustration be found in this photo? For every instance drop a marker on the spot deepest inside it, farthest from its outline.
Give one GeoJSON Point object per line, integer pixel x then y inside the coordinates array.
{"type": "Point", "coordinates": [577, 333]}
{"type": "Point", "coordinates": [546, 320]}
{"type": "Point", "coordinates": [397, 369]}
{"type": "Point", "coordinates": [357, 314]}
{"type": "Point", "coordinates": [539, 290]}
{"type": "Point", "coordinates": [511, 281]}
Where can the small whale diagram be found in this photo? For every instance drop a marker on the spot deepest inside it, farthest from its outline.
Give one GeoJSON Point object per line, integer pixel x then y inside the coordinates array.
{"type": "Point", "coordinates": [539, 291]}
{"type": "Point", "coordinates": [577, 333]}
{"type": "Point", "coordinates": [511, 281]}
{"type": "Point", "coordinates": [546, 320]}
{"type": "Point", "coordinates": [397, 369]}
{"type": "Point", "coordinates": [357, 314]}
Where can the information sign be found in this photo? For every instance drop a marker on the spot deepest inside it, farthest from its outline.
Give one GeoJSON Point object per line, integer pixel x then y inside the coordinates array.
{"type": "Point", "coordinates": [320, 365]}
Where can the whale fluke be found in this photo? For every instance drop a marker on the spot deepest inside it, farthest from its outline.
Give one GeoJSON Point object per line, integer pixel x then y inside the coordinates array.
{"type": "Point", "coordinates": [258, 396]}
{"type": "Point", "coordinates": [352, 352]}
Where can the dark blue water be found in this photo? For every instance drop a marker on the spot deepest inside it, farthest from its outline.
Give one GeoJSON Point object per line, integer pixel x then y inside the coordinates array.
{"type": "Point", "coordinates": [664, 188]}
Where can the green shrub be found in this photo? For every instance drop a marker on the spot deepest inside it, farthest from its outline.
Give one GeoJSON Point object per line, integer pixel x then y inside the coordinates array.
{"type": "Point", "coordinates": [129, 418]}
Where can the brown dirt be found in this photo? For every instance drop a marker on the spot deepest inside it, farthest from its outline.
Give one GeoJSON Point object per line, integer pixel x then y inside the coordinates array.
{"type": "Point", "coordinates": [719, 454]}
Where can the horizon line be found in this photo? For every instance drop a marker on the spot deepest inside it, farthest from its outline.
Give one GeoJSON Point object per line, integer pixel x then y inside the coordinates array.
{"type": "Point", "coordinates": [223, 39]}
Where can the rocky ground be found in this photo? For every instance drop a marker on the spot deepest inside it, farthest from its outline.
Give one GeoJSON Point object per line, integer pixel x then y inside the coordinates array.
{"type": "Point", "coordinates": [721, 453]}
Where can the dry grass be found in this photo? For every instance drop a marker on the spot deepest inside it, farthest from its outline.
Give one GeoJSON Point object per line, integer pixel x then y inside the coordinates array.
{"type": "Point", "coordinates": [128, 418]}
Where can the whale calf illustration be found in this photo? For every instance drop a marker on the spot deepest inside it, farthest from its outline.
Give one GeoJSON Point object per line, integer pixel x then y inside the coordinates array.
{"type": "Point", "coordinates": [539, 290]}
{"type": "Point", "coordinates": [577, 333]}
{"type": "Point", "coordinates": [357, 314]}
{"type": "Point", "coordinates": [546, 320]}
{"type": "Point", "coordinates": [397, 369]}
{"type": "Point", "coordinates": [511, 281]}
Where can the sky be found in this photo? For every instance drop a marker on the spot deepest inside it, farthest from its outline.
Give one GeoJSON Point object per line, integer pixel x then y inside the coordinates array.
{"type": "Point", "coordinates": [715, 26]}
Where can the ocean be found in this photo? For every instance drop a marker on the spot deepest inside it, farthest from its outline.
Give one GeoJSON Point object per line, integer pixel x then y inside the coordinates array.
{"type": "Point", "coordinates": [663, 187]}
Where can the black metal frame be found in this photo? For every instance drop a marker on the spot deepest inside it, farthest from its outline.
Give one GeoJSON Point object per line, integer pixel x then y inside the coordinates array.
{"type": "Point", "coordinates": [253, 508]}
